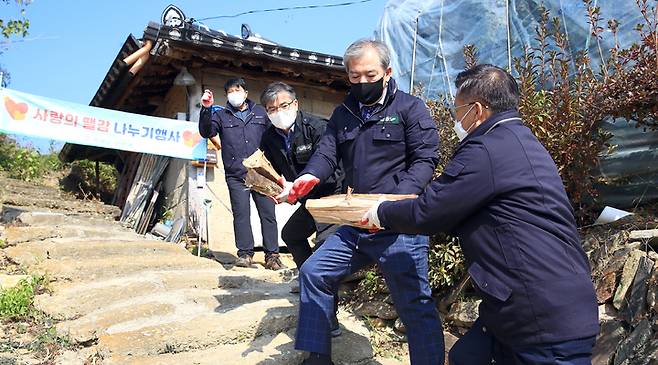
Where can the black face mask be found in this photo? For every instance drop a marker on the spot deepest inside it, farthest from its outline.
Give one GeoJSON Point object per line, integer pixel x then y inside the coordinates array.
{"type": "Point", "coordinates": [368, 92]}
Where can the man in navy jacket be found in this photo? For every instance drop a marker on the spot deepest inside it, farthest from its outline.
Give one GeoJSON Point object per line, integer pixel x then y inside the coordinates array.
{"type": "Point", "coordinates": [240, 127]}
{"type": "Point", "coordinates": [387, 143]}
{"type": "Point", "coordinates": [501, 194]}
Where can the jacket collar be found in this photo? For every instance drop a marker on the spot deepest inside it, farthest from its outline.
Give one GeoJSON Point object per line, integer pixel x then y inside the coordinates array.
{"type": "Point", "coordinates": [352, 103]}
{"type": "Point", "coordinates": [492, 121]}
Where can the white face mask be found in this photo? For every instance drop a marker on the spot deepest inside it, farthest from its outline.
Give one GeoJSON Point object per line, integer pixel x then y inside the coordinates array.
{"type": "Point", "coordinates": [283, 119]}
{"type": "Point", "coordinates": [236, 98]}
{"type": "Point", "coordinates": [459, 129]}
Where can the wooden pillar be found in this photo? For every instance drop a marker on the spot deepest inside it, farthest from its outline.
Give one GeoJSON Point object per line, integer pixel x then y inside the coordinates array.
{"type": "Point", "coordinates": [98, 180]}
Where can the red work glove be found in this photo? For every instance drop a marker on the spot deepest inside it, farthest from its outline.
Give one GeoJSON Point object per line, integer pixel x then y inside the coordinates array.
{"type": "Point", "coordinates": [301, 187]}
{"type": "Point", "coordinates": [207, 100]}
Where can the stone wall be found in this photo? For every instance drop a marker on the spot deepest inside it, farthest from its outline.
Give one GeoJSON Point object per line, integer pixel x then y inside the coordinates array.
{"type": "Point", "coordinates": [625, 273]}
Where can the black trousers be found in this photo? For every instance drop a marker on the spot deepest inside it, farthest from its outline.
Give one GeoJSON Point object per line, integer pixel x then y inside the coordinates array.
{"type": "Point", "coordinates": [240, 204]}
{"type": "Point", "coordinates": [298, 229]}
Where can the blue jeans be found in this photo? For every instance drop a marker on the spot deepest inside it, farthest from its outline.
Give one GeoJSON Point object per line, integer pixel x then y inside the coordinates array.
{"type": "Point", "coordinates": [404, 262]}
{"type": "Point", "coordinates": [479, 347]}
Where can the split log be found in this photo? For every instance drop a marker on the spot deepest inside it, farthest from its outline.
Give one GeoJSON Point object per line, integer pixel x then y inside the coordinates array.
{"type": "Point", "coordinates": [259, 183]}
{"type": "Point", "coordinates": [262, 166]}
{"type": "Point", "coordinates": [347, 209]}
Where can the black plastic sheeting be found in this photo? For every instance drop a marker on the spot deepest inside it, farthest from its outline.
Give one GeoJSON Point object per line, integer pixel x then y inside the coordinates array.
{"type": "Point", "coordinates": [427, 38]}
{"type": "Point", "coordinates": [633, 166]}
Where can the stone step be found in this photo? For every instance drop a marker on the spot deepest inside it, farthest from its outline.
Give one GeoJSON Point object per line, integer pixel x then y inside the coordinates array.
{"type": "Point", "coordinates": [242, 324]}
{"type": "Point", "coordinates": [16, 235]}
{"type": "Point", "coordinates": [30, 253]}
{"type": "Point", "coordinates": [60, 204]}
{"type": "Point", "coordinates": [351, 348]}
{"type": "Point", "coordinates": [20, 186]}
{"type": "Point", "coordinates": [50, 218]}
{"type": "Point", "coordinates": [265, 350]}
{"type": "Point", "coordinates": [72, 300]}
{"type": "Point", "coordinates": [163, 308]}
{"type": "Point", "coordinates": [115, 266]}
{"type": "Point", "coordinates": [41, 218]}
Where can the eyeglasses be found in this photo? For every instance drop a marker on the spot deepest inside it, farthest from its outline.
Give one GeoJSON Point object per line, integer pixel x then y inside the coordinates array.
{"type": "Point", "coordinates": [453, 109]}
{"type": "Point", "coordinates": [285, 106]}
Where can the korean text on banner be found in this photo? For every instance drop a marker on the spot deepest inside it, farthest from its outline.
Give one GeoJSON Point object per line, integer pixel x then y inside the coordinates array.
{"type": "Point", "coordinates": [37, 116]}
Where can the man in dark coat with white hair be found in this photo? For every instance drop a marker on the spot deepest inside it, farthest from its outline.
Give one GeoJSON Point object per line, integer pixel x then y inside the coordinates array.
{"type": "Point", "coordinates": [388, 143]}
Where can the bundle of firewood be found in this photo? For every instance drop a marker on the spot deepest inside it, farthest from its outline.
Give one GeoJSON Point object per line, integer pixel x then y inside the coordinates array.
{"type": "Point", "coordinates": [261, 176]}
{"type": "Point", "coordinates": [347, 209]}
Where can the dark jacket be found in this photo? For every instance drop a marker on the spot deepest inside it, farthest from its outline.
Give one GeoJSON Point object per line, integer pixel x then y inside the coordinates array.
{"type": "Point", "coordinates": [501, 194]}
{"type": "Point", "coordinates": [306, 136]}
{"type": "Point", "coordinates": [394, 151]}
{"type": "Point", "coordinates": [239, 138]}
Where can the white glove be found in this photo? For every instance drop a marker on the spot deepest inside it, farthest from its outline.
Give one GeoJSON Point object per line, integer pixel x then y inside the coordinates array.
{"type": "Point", "coordinates": [371, 219]}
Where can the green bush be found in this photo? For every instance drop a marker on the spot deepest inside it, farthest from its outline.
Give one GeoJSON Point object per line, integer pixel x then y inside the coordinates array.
{"type": "Point", "coordinates": [564, 106]}
{"type": "Point", "coordinates": [82, 180]}
{"type": "Point", "coordinates": [25, 163]}
{"type": "Point", "coordinates": [446, 262]}
{"type": "Point", "coordinates": [371, 285]}
{"type": "Point", "coordinates": [16, 302]}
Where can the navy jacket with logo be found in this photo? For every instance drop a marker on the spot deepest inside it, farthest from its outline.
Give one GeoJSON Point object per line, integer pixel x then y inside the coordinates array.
{"type": "Point", "coordinates": [394, 151]}
{"type": "Point", "coordinates": [305, 139]}
{"type": "Point", "coordinates": [239, 138]}
{"type": "Point", "coordinates": [501, 194]}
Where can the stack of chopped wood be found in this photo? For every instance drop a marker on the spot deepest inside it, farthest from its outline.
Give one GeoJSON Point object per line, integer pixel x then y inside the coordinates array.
{"type": "Point", "coordinates": [261, 176]}
{"type": "Point", "coordinates": [347, 208]}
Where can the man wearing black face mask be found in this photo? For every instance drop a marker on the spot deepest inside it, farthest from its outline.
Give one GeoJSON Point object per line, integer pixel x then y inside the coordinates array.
{"type": "Point", "coordinates": [387, 143]}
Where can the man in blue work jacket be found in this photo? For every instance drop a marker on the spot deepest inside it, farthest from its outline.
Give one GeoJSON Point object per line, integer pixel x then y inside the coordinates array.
{"type": "Point", "coordinates": [387, 143]}
{"type": "Point", "coordinates": [240, 127]}
{"type": "Point", "coordinates": [501, 194]}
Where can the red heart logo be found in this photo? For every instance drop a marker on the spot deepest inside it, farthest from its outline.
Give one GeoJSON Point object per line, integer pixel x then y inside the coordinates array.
{"type": "Point", "coordinates": [16, 110]}
{"type": "Point", "coordinates": [191, 138]}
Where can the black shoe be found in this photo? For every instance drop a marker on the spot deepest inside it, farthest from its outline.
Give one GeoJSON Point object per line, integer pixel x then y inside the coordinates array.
{"type": "Point", "coordinates": [244, 261]}
{"type": "Point", "coordinates": [318, 359]}
{"type": "Point", "coordinates": [335, 327]}
{"type": "Point", "coordinates": [294, 286]}
{"type": "Point", "coordinates": [273, 262]}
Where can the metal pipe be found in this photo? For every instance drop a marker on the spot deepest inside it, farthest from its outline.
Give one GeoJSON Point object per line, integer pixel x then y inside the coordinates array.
{"type": "Point", "coordinates": [509, 39]}
{"type": "Point", "coordinates": [139, 64]}
{"type": "Point", "coordinates": [413, 58]}
{"type": "Point", "coordinates": [139, 53]}
{"type": "Point", "coordinates": [98, 180]}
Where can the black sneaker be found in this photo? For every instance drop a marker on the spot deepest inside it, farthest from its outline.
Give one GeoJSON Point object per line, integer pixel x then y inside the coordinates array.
{"type": "Point", "coordinates": [244, 261]}
{"type": "Point", "coordinates": [294, 286]}
{"type": "Point", "coordinates": [318, 359]}
{"type": "Point", "coordinates": [273, 262]}
{"type": "Point", "coordinates": [335, 327]}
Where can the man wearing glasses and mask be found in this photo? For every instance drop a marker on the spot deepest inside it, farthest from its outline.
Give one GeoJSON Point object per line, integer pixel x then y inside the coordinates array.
{"type": "Point", "coordinates": [289, 144]}
{"type": "Point", "coordinates": [501, 194]}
